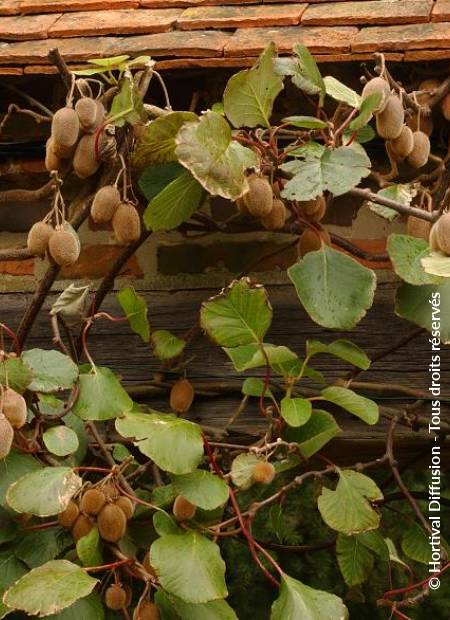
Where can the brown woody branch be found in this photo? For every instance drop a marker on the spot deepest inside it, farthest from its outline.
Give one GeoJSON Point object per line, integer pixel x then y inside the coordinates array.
{"type": "Point", "coordinates": [28, 195]}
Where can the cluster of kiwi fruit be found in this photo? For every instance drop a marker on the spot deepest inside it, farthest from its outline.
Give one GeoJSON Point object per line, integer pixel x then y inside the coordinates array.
{"type": "Point", "coordinates": [402, 142]}
{"type": "Point", "coordinates": [102, 506]}
{"type": "Point", "coordinates": [262, 202]}
{"type": "Point", "coordinates": [108, 206]}
{"type": "Point", "coordinates": [13, 414]}
{"type": "Point", "coordinates": [60, 242]}
{"type": "Point", "coordinates": [74, 135]}
{"type": "Point", "coordinates": [118, 597]}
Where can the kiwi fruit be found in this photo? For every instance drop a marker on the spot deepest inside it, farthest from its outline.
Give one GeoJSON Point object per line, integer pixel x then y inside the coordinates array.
{"type": "Point", "coordinates": [146, 610]}
{"type": "Point", "coordinates": [314, 210]}
{"type": "Point", "coordinates": [432, 240]}
{"type": "Point", "coordinates": [14, 408]}
{"type": "Point", "coordinates": [312, 240]}
{"type": "Point", "coordinates": [92, 501]}
{"type": "Point", "coordinates": [445, 107]}
{"type": "Point", "coordinates": [68, 517]}
{"type": "Point", "coordinates": [64, 247]}
{"type": "Point", "coordinates": [112, 523]}
{"type": "Point", "coordinates": [85, 162]}
{"type": "Point", "coordinates": [126, 505]}
{"type": "Point", "coordinates": [126, 223]}
{"type": "Point", "coordinates": [105, 203]}
{"type": "Point", "coordinates": [52, 161]}
{"type": "Point", "coordinates": [110, 490]}
{"type": "Point", "coordinates": [115, 597]}
{"type": "Point", "coordinates": [181, 396]}
{"type": "Point", "coordinates": [82, 526]}
{"type": "Point", "coordinates": [443, 233]}
{"type": "Point", "coordinates": [429, 85]}
{"type": "Point", "coordinates": [259, 198]}
{"type": "Point", "coordinates": [277, 217]}
{"type": "Point", "coordinates": [86, 108]}
{"type": "Point", "coordinates": [264, 472]}
{"type": "Point", "coordinates": [403, 144]}
{"type": "Point", "coordinates": [65, 128]}
{"type": "Point", "coordinates": [390, 121]}
{"type": "Point", "coordinates": [377, 85]}
{"type": "Point", "coordinates": [416, 227]}
{"type": "Point", "coordinates": [6, 436]}
{"type": "Point", "coordinates": [418, 157]}
{"type": "Point", "coordinates": [182, 509]}
{"type": "Point", "coordinates": [38, 238]}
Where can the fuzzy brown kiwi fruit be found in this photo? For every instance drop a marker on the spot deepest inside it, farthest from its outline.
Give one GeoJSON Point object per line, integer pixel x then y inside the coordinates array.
{"type": "Point", "coordinates": [181, 396]}
{"type": "Point", "coordinates": [416, 227]}
{"type": "Point", "coordinates": [445, 107]}
{"type": "Point", "coordinates": [277, 217]}
{"type": "Point", "coordinates": [14, 408]}
{"type": "Point", "coordinates": [259, 198]}
{"type": "Point", "coordinates": [85, 162]}
{"type": "Point", "coordinates": [146, 611]}
{"type": "Point", "coordinates": [82, 526]}
{"type": "Point", "coordinates": [418, 157]}
{"type": "Point", "coordinates": [68, 517]}
{"type": "Point", "coordinates": [311, 240]}
{"type": "Point", "coordinates": [105, 203]}
{"type": "Point", "coordinates": [6, 436]}
{"type": "Point", "coordinates": [126, 505]}
{"type": "Point", "coordinates": [443, 233]}
{"type": "Point", "coordinates": [432, 240]}
{"type": "Point", "coordinates": [314, 210]}
{"type": "Point", "coordinates": [403, 145]}
{"type": "Point", "coordinates": [65, 128]}
{"type": "Point", "coordinates": [52, 161]}
{"type": "Point", "coordinates": [182, 509]}
{"type": "Point", "coordinates": [115, 597]}
{"type": "Point", "coordinates": [126, 223]}
{"type": "Point", "coordinates": [112, 523]}
{"type": "Point", "coordinates": [38, 238]}
{"type": "Point", "coordinates": [64, 247]}
{"type": "Point", "coordinates": [264, 472]}
{"type": "Point", "coordinates": [377, 85]}
{"type": "Point", "coordinates": [390, 121]}
{"type": "Point", "coordinates": [86, 108]}
{"type": "Point", "coordinates": [92, 501]}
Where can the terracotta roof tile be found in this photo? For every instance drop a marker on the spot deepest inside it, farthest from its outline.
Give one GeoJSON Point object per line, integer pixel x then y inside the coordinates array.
{"type": "Point", "coordinates": [441, 11]}
{"type": "Point", "coordinates": [368, 12]}
{"type": "Point", "coordinates": [177, 43]}
{"type": "Point", "coordinates": [418, 36]}
{"type": "Point", "coordinates": [189, 3]}
{"type": "Point", "coordinates": [58, 6]}
{"type": "Point", "coordinates": [18, 28]}
{"type": "Point", "coordinates": [197, 18]}
{"type": "Point", "coordinates": [9, 7]}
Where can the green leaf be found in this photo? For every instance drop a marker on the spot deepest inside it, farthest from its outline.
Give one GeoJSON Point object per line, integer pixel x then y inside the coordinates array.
{"type": "Point", "coordinates": [101, 397]}
{"type": "Point", "coordinates": [13, 467]}
{"type": "Point", "coordinates": [250, 94]}
{"type": "Point", "coordinates": [374, 541]}
{"type": "Point", "coordinates": [135, 308]}
{"type": "Point", "coordinates": [164, 524]}
{"type": "Point", "coordinates": [52, 371]}
{"type": "Point", "coordinates": [312, 436]}
{"type": "Point", "coordinates": [436, 265]}
{"type": "Point", "coordinates": [348, 509]}
{"type": "Point", "coordinates": [242, 469]}
{"type": "Point", "coordinates": [44, 492]}
{"type": "Point", "coordinates": [306, 75]}
{"type": "Point", "coordinates": [154, 179]}
{"type": "Point", "coordinates": [87, 608]}
{"type": "Point", "coordinates": [166, 345]}
{"type": "Point", "coordinates": [202, 488]}
{"type": "Point", "coordinates": [49, 588]}
{"type": "Point", "coordinates": [249, 356]}
{"type": "Point", "coordinates": [127, 105]}
{"type": "Point", "coordinates": [157, 145]}
{"type": "Point", "coordinates": [344, 349]}
{"type": "Point", "coordinates": [11, 569]}
{"type": "Point", "coordinates": [15, 373]}
{"type": "Point", "coordinates": [366, 134]}
{"type": "Point", "coordinates": [335, 290]}
{"type": "Point", "coordinates": [365, 112]}
{"type": "Point", "coordinates": [174, 204]}
{"type": "Point", "coordinates": [174, 444]}
{"type": "Point", "coordinates": [190, 567]}
{"type": "Point", "coordinates": [218, 162]}
{"type": "Point", "coordinates": [110, 63]}
{"type": "Point", "coordinates": [415, 544]}
{"type": "Point", "coordinates": [406, 253]}
{"type": "Point", "coordinates": [354, 559]}
{"type": "Point", "coordinates": [240, 314]}
{"type": "Point", "coordinates": [36, 548]}
{"type": "Point", "coordinates": [402, 193]}
{"type": "Point", "coordinates": [415, 304]}
{"type": "Point", "coordinates": [174, 608]}
{"type": "Point", "coordinates": [89, 549]}
{"type": "Point", "coordinates": [296, 411]}
{"type": "Point", "coordinates": [336, 171]}
{"type": "Point", "coordinates": [8, 528]}
{"type": "Point", "coordinates": [306, 122]}
{"type": "Point", "coordinates": [72, 303]}
{"type": "Point", "coordinates": [253, 386]}
{"type": "Point", "coordinates": [77, 425]}
{"type": "Point", "coordinates": [340, 92]}
{"type": "Point", "coordinates": [360, 406]}
{"type": "Point", "coordinates": [298, 601]}
{"type": "Point", "coordinates": [60, 440]}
